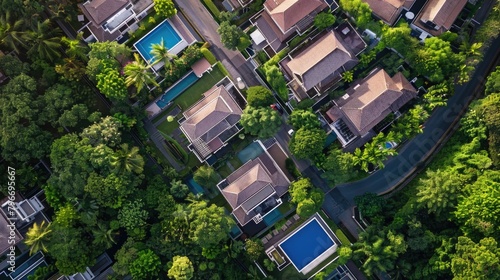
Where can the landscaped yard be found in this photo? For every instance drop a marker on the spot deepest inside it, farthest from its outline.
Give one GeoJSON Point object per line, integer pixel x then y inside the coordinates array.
{"type": "Point", "coordinates": [194, 92]}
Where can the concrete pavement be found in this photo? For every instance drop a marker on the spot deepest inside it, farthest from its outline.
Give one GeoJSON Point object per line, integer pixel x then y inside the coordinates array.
{"type": "Point", "coordinates": [206, 26]}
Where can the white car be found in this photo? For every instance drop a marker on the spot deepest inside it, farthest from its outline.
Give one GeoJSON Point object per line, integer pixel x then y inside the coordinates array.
{"type": "Point", "coordinates": [291, 132]}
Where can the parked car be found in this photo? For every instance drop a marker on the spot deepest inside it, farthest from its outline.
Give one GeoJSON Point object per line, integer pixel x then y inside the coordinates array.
{"type": "Point", "coordinates": [291, 132]}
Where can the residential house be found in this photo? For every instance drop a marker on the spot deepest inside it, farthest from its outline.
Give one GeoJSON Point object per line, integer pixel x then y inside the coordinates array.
{"type": "Point", "coordinates": [313, 70]}
{"type": "Point", "coordinates": [212, 121]}
{"type": "Point", "coordinates": [438, 16]}
{"type": "Point", "coordinates": [255, 189]}
{"type": "Point", "coordinates": [108, 20]}
{"type": "Point", "coordinates": [389, 10]}
{"type": "Point", "coordinates": [367, 103]}
{"type": "Point", "coordinates": [282, 19]}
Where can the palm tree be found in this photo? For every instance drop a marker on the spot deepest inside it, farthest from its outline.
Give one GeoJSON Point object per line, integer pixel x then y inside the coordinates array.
{"type": "Point", "coordinates": [127, 160]}
{"type": "Point", "coordinates": [37, 236]}
{"type": "Point", "coordinates": [160, 54]}
{"type": "Point", "coordinates": [11, 33]}
{"type": "Point", "coordinates": [103, 236]}
{"type": "Point", "coordinates": [45, 41]}
{"type": "Point", "coordinates": [75, 47]}
{"type": "Point", "coordinates": [88, 210]}
{"type": "Point", "coordinates": [372, 249]}
{"type": "Point", "coordinates": [138, 74]}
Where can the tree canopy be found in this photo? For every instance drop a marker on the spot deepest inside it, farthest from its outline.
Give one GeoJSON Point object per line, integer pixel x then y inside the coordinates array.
{"type": "Point", "coordinates": [261, 122]}
{"type": "Point", "coordinates": [259, 96]}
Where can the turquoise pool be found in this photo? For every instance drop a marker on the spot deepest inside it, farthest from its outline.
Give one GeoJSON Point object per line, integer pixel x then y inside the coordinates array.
{"type": "Point", "coordinates": [175, 90]}
{"type": "Point", "coordinates": [306, 244]}
{"type": "Point", "coordinates": [194, 187]}
{"type": "Point", "coordinates": [250, 152]}
{"type": "Point", "coordinates": [164, 31]}
{"type": "Point", "coordinates": [273, 217]}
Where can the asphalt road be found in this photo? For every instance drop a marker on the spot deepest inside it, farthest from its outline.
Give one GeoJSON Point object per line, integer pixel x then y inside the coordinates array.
{"type": "Point", "coordinates": [204, 23]}
{"type": "Point", "coordinates": [412, 155]}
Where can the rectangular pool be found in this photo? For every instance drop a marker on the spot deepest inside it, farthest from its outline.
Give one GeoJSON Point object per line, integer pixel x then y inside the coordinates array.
{"type": "Point", "coordinates": [164, 31]}
{"type": "Point", "coordinates": [250, 152]}
{"type": "Point", "coordinates": [307, 244]}
{"type": "Point", "coordinates": [175, 90]}
{"type": "Point", "coordinates": [194, 187]}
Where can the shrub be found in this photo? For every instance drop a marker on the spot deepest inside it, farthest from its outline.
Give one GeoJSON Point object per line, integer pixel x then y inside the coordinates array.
{"type": "Point", "coordinates": [212, 8]}
{"type": "Point", "coordinates": [192, 54]}
{"type": "Point", "coordinates": [291, 168]}
{"type": "Point", "coordinates": [209, 56]}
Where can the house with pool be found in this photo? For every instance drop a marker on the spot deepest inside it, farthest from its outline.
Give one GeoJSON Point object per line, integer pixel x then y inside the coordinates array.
{"type": "Point", "coordinates": [305, 247]}
{"type": "Point", "coordinates": [255, 189]}
{"type": "Point", "coordinates": [212, 121]}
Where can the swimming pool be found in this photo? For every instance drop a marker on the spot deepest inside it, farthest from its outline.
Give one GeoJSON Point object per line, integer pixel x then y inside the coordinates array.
{"type": "Point", "coordinates": [194, 187]}
{"type": "Point", "coordinates": [307, 244]}
{"type": "Point", "coordinates": [250, 152]}
{"type": "Point", "coordinates": [273, 217]}
{"type": "Point", "coordinates": [175, 90]}
{"type": "Point", "coordinates": [164, 31]}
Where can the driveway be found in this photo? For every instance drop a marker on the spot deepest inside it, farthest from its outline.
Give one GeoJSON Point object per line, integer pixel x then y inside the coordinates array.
{"type": "Point", "coordinates": [207, 27]}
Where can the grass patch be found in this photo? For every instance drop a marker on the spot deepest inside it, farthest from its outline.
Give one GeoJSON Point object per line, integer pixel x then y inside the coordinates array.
{"type": "Point", "coordinates": [235, 162]}
{"type": "Point", "coordinates": [162, 114]}
{"type": "Point", "coordinates": [194, 92]}
{"type": "Point", "coordinates": [285, 207]}
{"type": "Point", "coordinates": [224, 171]}
{"type": "Point", "coordinates": [168, 127]}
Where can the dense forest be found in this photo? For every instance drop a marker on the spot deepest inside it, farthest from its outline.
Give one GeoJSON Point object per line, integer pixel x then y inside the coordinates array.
{"type": "Point", "coordinates": [445, 224]}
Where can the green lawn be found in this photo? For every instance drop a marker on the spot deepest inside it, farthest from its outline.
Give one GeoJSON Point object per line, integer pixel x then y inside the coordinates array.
{"type": "Point", "coordinates": [194, 92]}
{"type": "Point", "coordinates": [168, 127]}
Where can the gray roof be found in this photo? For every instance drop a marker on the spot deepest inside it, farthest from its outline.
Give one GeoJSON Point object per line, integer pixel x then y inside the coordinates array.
{"type": "Point", "coordinates": [100, 10]}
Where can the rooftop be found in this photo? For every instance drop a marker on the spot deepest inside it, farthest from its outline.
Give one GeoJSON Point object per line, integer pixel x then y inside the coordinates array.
{"type": "Point", "coordinates": [100, 10]}
{"type": "Point", "coordinates": [287, 13]}
{"type": "Point", "coordinates": [438, 16]}
{"type": "Point", "coordinates": [388, 10]}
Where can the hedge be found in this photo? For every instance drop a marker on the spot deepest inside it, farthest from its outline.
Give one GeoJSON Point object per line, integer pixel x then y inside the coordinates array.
{"type": "Point", "coordinates": [212, 8]}
{"type": "Point", "coordinates": [209, 56]}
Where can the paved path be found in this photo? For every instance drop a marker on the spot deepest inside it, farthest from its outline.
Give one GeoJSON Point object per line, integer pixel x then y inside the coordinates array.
{"type": "Point", "coordinates": [207, 27]}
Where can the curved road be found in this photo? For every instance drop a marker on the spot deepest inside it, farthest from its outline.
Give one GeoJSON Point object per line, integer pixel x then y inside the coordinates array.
{"type": "Point", "coordinates": [414, 153]}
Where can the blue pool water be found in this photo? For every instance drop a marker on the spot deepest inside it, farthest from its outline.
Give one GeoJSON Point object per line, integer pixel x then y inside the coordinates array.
{"type": "Point", "coordinates": [177, 89]}
{"type": "Point", "coordinates": [194, 187]}
{"type": "Point", "coordinates": [250, 152]}
{"type": "Point", "coordinates": [306, 244]}
{"type": "Point", "coordinates": [164, 31]}
{"type": "Point", "coordinates": [330, 139]}
{"type": "Point", "coordinates": [235, 231]}
{"type": "Point", "coordinates": [273, 217]}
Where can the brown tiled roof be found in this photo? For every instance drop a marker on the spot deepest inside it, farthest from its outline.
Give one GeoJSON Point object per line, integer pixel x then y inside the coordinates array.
{"type": "Point", "coordinates": [318, 61]}
{"type": "Point", "coordinates": [287, 13]}
{"type": "Point", "coordinates": [388, 10]}
{"type": "Point", "coordinates": [100, 10]}
{"type": "Point", "coordinates": [442, 13]}
{"type": "Point", "coordinates": [201, 66]}
{"type": "Point", "coordinates": [247, 185]}
{"type": "Point", "coordinates": [248, 180]}
{"type": "Point", "coordinates": [216, 106]}
{"type": "Point", "coordinates": [371, 100]}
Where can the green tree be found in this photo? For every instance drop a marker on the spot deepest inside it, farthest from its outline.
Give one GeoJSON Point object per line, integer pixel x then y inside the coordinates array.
{"type": "Point", "coordinates": [103, 236]}
{"type": "Point", "coordinates": [308, 143]}
{"type": "Point", "coordinates": [493, 82]}
{"type": "Point", "coordinates": [44, 41]}
{"type": "Point", "coordinates": [182, 268]}
{"type": "Point", "coordinates": [261, 122]}
{"type": "Point", "coordinates": [369, 204]}
{"type": "Point", "coordinates": [478, 212]}
{"type": "Point", "coordinates": [12, 32]}
{"type": "Point", "coordinates": [70, 250]}
{"type": "Point", "coordinates": [324, 20]}
{"type": "Point", "coordinates": [476, 260]}
{"type": "Point", "coordinates": [165, 8]}
{"type": "Point", "coordinates": [75, 48]}
{"type": "Point", "coordinates": [299, 190]}
{"type": "Point", "coordinates": [178, 189]}
{"type": "Point", "coordinates": [399, 39]}
{"type": "Point", "coordinates": [71, 117]}
{"type": "Point", "coordinates": [359, 10]}
{"type": "Point", "coordinates": [304, 119]}
{"type": "Point", "coordinates": [138, 74]}
{"type": "Point", "coordinates": [306, 208]}
{"type": "Point", "coordinates": [436, 95]}
{"type": "Point", "coordinates": [112, 84]}
{"type": "Point", "coordinates": [254, 249]}
{"type": "Point", "coordinates": [439, 191]}
{"type": "Point", "coordinates": [160, 53]}
{"type": "Point", "coordinates": [145, 266]}
{"type": "Point", "coordinates": [209, 225]}
{"type": "Point", "coordinates": [206, 176]}
{"type": "Point", "coordinates": [127, 160]}
{"type": "Point", "coordinates": [339, 167]}
{"type": "Point", "coordinates": [275, 78]}
{"type": "Point", "coordinates": [259, 96]}
{"type": "Point", "coordinates": [125, 256]}
{"type": "Point", "coordinates": [345, 254]}
{"type": "Point", "coordinates": [436, 59]}
{"type": "Point", "coordinates": [229, 35]}
{"type": "Point", "coordinates": [378, 250]}
{"type": "Point", "coordinates": [37, 237]}
{"type": "Point", "coordinates": [106, 132]}
{"type": "Point", "coordinates": [133, 218]}
{"type": "Point", "coordinates": [109, 191]}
